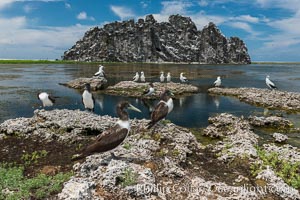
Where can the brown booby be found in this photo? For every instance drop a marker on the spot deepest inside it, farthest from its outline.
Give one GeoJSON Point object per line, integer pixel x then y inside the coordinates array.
{"type": "Point", "coordinates": [113, 136]}
{"type": "Point", "coordinates": [47, 100]}
{"type": "Point", "coordinates": [149, 91]}
{"type": "Point", "coordinates": [162, 109]}
{"type": "Point", "coordinates": [87, 98]}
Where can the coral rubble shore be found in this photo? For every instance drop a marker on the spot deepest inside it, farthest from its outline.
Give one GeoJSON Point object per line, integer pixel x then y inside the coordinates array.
{"type": "Point", "coordinates": [133, 89]}
{"type": "Point", "coordinates": [273, 99]}
{"type": "Point", "coordinates": [168, 163]}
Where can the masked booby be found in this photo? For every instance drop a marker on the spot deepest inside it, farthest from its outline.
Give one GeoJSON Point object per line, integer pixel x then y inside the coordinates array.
{"type": "Point", "coordinates": [113, 136]}
{"type": "Point", "coordinates": [143, 79]}
{"type": "Point", "coordinates": [162, 109]}
{"type": "Point", "coordinates": [100, 72]}
{"type": "Point", "coordinates": [182, 78]}
{"type": "Point", "coordinates": [47, 100]}
{"type": "Point", "coordinates": [169, 77]}
{"type": "Point", "coordinates": [218, 82]}
{"type": "Point", "coordinates": [136, 77]}
{"type": "Point", "coordinates": [162, 77]}
{"type": "Point", "coordinates": [87, 98]}
{"type": "Point", "coordinates": [150, 90]}
{"type": "Point", "coordinates": [269, 83]}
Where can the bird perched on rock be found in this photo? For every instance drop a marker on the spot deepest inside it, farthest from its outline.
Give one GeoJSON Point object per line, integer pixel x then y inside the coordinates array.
{"type": "Point", "coordinates": [150, 90]}
{"type": "Point", "coordinates": [169, 77]}
{"type": "Point", "coordinates": [136, 77]}
{"type": "Point", "coordinates": [47, 100]}
{"type": "Point", "coordinates": [269, 83]}
{"type": "Point", "coordinates": [87, 98]}
{"type": "Point", "coordinates": [113, 136]}
{"type": "Point", "coordinates": [100, 72]}
{"type": "Point", "coordinates": [162, 77]}
{"type": "Point", "coordinates": [182, 78]}
{"type": "Point", "coordinates": [218, 82]}
{"type": "Point", "coordinates": [162, 109]}
{"type": "Point", "coordinates": [143, 79]}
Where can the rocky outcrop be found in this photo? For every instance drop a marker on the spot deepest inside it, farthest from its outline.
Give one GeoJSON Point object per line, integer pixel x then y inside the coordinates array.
{"type": "Point", "coordinates": [271, 121]}
{"type": "Point", "coordinates": [133, 89]}
{"type": "Point", "coordinates": [163, 163]}
{"type": "Point", "coordinates": [149, 41]}
{"type": "Point", "coordinates": [96, 83]}
{"type": "Point", "coordinates": [280, 137]}
{"type": "Point", "coordinates": [273, 99]}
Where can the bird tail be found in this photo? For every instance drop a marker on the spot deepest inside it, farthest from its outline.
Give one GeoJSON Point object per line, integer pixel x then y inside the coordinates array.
{"type": "Point", "coordinates": [150, 124]}
{"type": "Point", "coordinates": [78, 157]}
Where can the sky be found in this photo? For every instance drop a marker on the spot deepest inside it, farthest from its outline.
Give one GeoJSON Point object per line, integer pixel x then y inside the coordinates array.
{"type": "Point", "coordinates": [44, 29]}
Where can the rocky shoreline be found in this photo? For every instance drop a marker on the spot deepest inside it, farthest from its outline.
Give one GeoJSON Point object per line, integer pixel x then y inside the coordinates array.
{"type": "Point", "coordinates": [96, 83]}
{"type": "Point", "coordinates": [134, 89]}
{"type": "Point", "coordinates": [272, 99]}
{"type": "Point", "coordinates": [165, 163]}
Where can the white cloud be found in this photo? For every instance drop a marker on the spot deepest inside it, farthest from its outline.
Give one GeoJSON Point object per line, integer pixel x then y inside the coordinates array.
{"type": "Point", "coordinates": [248, 18]}
{"type": "Point", "coordinates": [175, 7]}
{"type": "Point", "coordinates": [29, 8]}
{"type": "Point", "coordinates": [5, 3]}
{"type": "Point", "coordinates": [68, 6]}
{"type": "Point", "coordinates": [122, 11]}
{"type": "Point", "coordinates": [243, 26]}
{"type": "Point", "coordinates": [18, 41]}
{"type": "Point", "coordinates": [293, 5]}
{"type": "Point", "coordinates": [203, 3]}
{"type": "Point", "coordinates": [84, 16]}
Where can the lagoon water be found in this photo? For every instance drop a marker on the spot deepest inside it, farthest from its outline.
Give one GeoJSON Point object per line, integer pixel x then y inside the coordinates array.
{"type": "Point", "coordinates": [20, 83]}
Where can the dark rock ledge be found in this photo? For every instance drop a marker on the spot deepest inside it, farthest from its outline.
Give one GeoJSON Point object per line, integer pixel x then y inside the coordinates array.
{"type": "Point", "coordinates": [168, 163]}
{"type": "Point", "coordinates": [133, 89]}
{"type": "Point", "coordinates": [273, 99]}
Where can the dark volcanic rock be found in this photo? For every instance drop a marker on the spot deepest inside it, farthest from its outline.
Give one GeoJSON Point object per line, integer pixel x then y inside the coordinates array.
{"type": "Point", "coordinates": [149, 41]}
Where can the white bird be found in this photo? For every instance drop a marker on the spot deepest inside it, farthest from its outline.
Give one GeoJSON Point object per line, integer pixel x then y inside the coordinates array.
{"type": "Point", "coordinates": [269, 83]}
{"type": "Point", "coordinates": [182, 78]}
{"type": "Point", "coordinates": [100, 72]}
{"type": "Point", "coordinates": [136, 77]}
{"type": "Point", "coordinates": [169, 77]}
{"type": "Point", "coordinates": [162, 77]}
{"type": "Point", "coordinates": [218, 82]}
{"type": "Point", "coordinates": [46, 99]}
{"type": "Point", "coordinates": [150, 90]}
{"type": "Point", "coordinates": [142, 77]}
{"type": "Point", "coordinates": [87, 98]}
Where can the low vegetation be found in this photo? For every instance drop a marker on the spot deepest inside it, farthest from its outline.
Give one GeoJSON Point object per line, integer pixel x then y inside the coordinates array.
{"type": "Point", "coordinates": [289, 172]}
{"type": "Point", "coordinates": [14, 185]}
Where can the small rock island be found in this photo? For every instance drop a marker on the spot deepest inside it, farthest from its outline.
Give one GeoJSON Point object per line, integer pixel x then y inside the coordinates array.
{"type": "Point", "coordinates": [177, 40]}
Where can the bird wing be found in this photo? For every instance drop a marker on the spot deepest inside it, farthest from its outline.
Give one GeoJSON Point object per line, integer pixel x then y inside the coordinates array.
{"type": "Point", "coordinates": [97, 73]}
{"type": "Point", "coordinates": [51, 98]}
{"type": "Point", "coordinates": [270, 83]}
{"type": "Point", "coordinates": [146, 91]}
{"type": "Point", "coordinates": [107, 140]}
{"type": "Point", "coordinates": [160, 112]}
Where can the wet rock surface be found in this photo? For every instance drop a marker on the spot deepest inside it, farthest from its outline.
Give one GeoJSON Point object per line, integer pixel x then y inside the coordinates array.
{"type": "Point", "coordinates": [280, 137]}
{"type": "Point", "coordinates": [271, 121]}
{"type": "Point", "coordinates": [133, 89]}
{"type": "Point", "coordinates": [147, 40]}
{"type": "Point", "coordinates": [166, 162]}
{"type": "Point", "coordinates": [96, 83]}
{"type": "Point", "coordinates": [273, 99]}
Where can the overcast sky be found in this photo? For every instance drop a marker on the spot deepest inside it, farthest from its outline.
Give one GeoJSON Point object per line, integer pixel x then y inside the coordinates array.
{"type": "Point", "coordinates": [44, 29]}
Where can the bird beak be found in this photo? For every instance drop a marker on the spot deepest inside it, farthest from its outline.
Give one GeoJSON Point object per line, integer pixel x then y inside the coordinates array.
{"type": "Point", "coordinates": [131, 107]}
